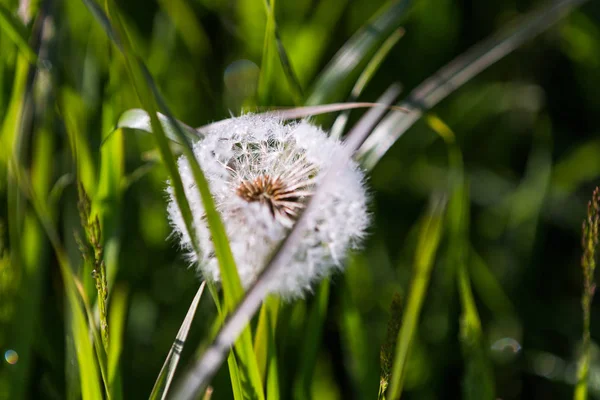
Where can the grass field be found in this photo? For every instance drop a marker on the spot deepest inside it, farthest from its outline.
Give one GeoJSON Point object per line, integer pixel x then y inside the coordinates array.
{"type": "Point", "coordinates": [475, 124]}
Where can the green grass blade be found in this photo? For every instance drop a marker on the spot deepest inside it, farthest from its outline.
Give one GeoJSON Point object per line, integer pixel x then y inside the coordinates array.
{"type": "Point", "coordinates": [273, 51]}
{"type": "Point", "coordinates": [199, 376]}
{"type": "Point", "coordinates": [478, 379]}
{"type": "Point", "coordinates": [22, 338]}
{"type": "Point", "coordinates": [87, 362]}
{"type": "Point", "coordinates": [149, 97]}
{"type": "Point", "coordinates": [25, 133]}
{"type": "Point", "coordinates": [17, 32]}
{"type": "Point", "coordinates": [312, 342]}
{"type": "Point", "coordinates": [165, 377]}
{"type": "Point", "coordinates": [424, 258]}
{"type": "Point", "coordinates": [265, 329]}
{"type": "Point", "coordinates": [341, 72]}
{"type": "Point", "coordinates": [487, 287]}
{"type": "Point", "coordinates": [117, 317]}
{"type": "Point", "coordinates": [309, 111]}
{"type": "Point", "coordinates": [265, 346]}
{"type": "Point", "coordinates": [364, 78]}
{"type": "Point", "coordinates": [101, 355]}
{"type": "Point", "coordinates": [457, 73]}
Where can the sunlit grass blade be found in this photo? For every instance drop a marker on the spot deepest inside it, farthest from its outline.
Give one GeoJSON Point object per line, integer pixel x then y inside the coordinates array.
{"type": "Point", "coordinates": [265, 346]}
{"type": "Point", "coordinates": [312, 342]}
{"type": "Point", "coordinates": [101, 354]}
{"type": "Point", "coordinates": [364, 78]}
{"type": "Point", "coordinates": [25, 136]}
{"type": "Point", "coordinates": [151, 100]}
{"type": "Point", "coordinates": [199, 376]}
{"type": "Point", "coordinates": [117, 318]}
{"type": "Point", "coordinates": [139, 119]}
{"type": "Point", "coordinates": [87, 362]}
{"type": "Point", "coordinates": [457, 73]}
{"type": "Point", "coordinates": [274, 52]}
{"type": "Point", "coordinates": [487, 287]}
{"type": "Point", "coordinates": [309, 111]}
{"type": "Point", "coordinates": [163, 382]}
{"type": "Point", "coordinates": [267, 321]}
{"type": "Point", "coordinates": [17, 32]}
{"type": "Point", "coordinates": [478, 378]}
{"type": "Point", "coordinates": [340, 74]}
{"type": "Point", "coordinates": [429, 238]}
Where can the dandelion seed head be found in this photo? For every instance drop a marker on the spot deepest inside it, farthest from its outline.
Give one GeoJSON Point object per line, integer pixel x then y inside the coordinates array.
{"type": "Point", "coordinates": [262, 173]}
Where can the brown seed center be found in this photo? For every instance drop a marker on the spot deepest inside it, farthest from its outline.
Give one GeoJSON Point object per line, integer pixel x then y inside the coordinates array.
{"type": "Point", "coordinates": [272, 192]}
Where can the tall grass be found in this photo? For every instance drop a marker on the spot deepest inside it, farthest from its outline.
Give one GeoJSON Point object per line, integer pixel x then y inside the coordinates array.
{"type": "Point", "coordinates": [95, 298]}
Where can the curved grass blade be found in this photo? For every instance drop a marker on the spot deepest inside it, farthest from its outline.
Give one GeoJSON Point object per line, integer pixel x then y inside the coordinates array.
{"type": "Point", "coordinates": [425, 255]}
{"type": "Point", "coordinates": [273, 50]}
{"type": "Point", "coordinates": [478, 378]}
{"type": "Point", "coordinates": [365, 77]}
{"type": "Point", "coordinates": [151, 100]}
{"type": "Point", "coordinates": [17, 32]}
{"type": "Point", "coordinates": [341, 72]}
{"type": "Point", "coordinates": [139, 119]}
{"type": "Point", "coordinates": [163, 382]}
{"type": "Point", "coordinates": [199, 376]}
{"type": "Point", "coordinates": [457, 73]}
{"type": "Point", "coordinates": [309, 111]}
{"type": "Point", "coordinates": [88, 370]}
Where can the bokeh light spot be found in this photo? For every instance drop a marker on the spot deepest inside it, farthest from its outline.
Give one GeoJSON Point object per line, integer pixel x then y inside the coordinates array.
{"type": "Point", "coordinates": [506, 344]}
{"type": "Point", "coordinates": [241, 77]}
{"type": "Point", "coordinates": [11, 357]}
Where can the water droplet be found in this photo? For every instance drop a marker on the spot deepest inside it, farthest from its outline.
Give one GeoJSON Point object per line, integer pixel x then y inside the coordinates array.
{"type": "Point", "coordinates": [11, 357]}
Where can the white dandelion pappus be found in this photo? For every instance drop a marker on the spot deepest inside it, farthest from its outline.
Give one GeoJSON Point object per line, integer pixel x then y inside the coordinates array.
{"type": "Point", "coordinates": [261, 173]}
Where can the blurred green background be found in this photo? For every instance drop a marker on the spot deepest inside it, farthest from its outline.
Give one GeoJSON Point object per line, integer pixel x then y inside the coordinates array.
{"type": "Point", "coordinates": [526, 128]}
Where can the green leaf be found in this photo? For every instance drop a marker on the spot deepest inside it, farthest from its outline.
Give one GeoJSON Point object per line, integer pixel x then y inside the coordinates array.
{"type": "Point", "coordinates": [429, 238]}
{"type": "Point", "coordinates": [139, 119]}
{"type": "Point", "coordinates": [457, 73]}
{"type": "Point", "coordinates": [17, 32]}
{"type": "Point", "coordinates": [163, 382]}
{"type": "Point", "coordinates": [340, 74]}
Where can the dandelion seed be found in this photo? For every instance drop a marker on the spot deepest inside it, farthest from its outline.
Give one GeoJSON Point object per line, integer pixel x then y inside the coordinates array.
{"type": "Point", "coordinates": [261, 173]}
